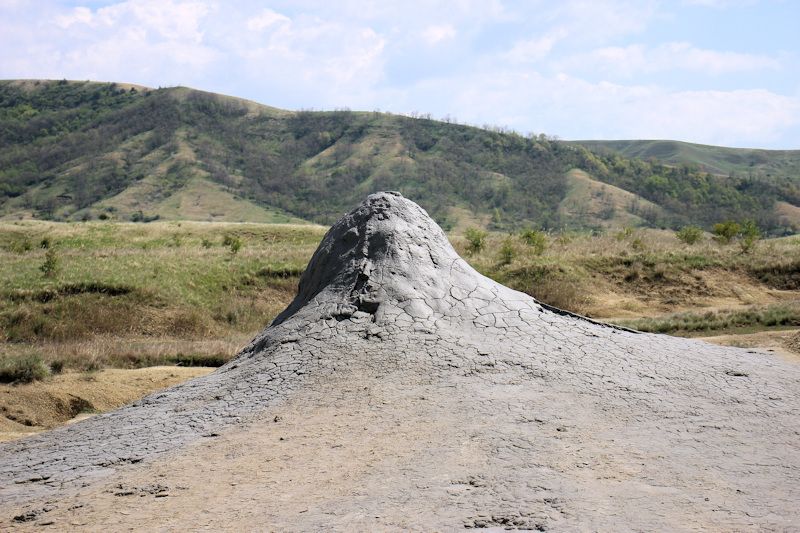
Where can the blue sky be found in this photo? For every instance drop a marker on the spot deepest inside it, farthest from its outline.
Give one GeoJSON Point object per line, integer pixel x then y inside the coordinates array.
{"type": "Point", "coordinates": [711, 71]}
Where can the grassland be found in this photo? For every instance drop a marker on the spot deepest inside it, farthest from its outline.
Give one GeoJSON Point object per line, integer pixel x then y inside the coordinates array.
{"type": "Point", "coordinates": [82, 303]}
{"type": "Point", "coordinates": [192, 293]}
{"type": "Point", "coordinates": [125, 294]}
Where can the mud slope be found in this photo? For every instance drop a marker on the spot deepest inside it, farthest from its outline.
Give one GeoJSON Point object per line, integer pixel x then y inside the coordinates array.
{"type": "Point", "coordinates": [403, 390]}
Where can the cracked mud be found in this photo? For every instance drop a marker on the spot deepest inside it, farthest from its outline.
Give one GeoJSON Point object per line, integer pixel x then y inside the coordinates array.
{"type": "Point", "coordinates": [403, 390]}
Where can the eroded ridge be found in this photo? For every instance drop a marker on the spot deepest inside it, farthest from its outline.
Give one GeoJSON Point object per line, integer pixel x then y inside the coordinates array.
{"type": "Point", "coordinates": [543, 419]}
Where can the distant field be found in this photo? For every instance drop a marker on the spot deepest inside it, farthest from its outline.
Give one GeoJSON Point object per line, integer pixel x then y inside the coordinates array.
{"type": "Point", "coordinates": [125, 294]}
{"type": "Point", "coordinates": [79, 301]}
{"type": "Point", "coordinates": [192, 293]}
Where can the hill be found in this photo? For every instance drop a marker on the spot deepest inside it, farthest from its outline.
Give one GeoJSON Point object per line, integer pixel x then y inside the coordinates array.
{"type": "Point", "coordinates": [83, 150]}
{"type": "Point", "coordinates": [715, 159]}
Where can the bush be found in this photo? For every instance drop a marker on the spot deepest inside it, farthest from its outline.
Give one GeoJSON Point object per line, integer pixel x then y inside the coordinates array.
{"type": "Point", "coordinates": [624, 233]}
{"type": "Point", "coordinates": [537, 240]}
{"type": "Point", "coordinates": [507, 251]}
{"type": "Point", "coordinates": [750, 236]}
{"type": "Point", "coordinates": [57, 366]}
{"type": "Point", "coordinates": [725, 232]}
{"type": "Point", "coordinates": [476, 239]}
{"type": "Point", "coordinates": [50, 266]}
{"type": "Point", "coordinates": [233, 242]}
{"type": "Point", "coordinates": [689, 234]}
{"type": "Point", "coordinates": [23, 369]}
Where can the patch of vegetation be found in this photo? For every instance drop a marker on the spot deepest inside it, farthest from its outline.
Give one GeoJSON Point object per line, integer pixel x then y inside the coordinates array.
{"type": "Point", "coordinates": [22, 369]}
{"type": "Point", "coordinates": [725, 232]}
{"type": "Point", "coordinates": [50, 266]}
{"type": "Point", "coordinates": [536, 240]}
{"type": "Point", "coordinates": [126, 296]}
{"type": "Point", "coordinates": [689, 234]}
{"type": "Point", "coordinates": [476, 239]}
{"type": "Point", "coordinates": [508, 251]}
{"type": "Point", "coordinates": [719, 321]}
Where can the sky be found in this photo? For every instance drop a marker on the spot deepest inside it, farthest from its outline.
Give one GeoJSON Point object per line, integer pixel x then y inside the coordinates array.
{"type": "Point", "coordinates": [724, 72]}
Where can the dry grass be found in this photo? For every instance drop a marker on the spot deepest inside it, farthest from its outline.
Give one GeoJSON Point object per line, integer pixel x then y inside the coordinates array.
{"type": "Point", "coordinates": [162, 281]}
{"type": "Point", "coordinates": [130, 295]}
{"type": "Point", "coordinates": [640, 269]}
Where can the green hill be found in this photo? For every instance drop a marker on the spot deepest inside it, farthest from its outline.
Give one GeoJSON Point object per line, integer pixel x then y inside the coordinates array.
{"type": "Point", "coordinates": [82, 150]}
{"type": "Point", "coordinates": [715, 159]}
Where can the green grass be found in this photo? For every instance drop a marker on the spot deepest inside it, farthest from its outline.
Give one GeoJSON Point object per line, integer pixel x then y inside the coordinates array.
{"type": "Point", "coordinates": [131, 294]}
{"type": "Point", "coordinates": [22, 369]}
{"type": "Point", "coordinates": [158, 280]}
{"type": "Point", "coordinates": [719, 322]}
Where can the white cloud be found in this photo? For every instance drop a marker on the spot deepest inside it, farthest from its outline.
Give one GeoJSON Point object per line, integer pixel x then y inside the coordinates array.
{"type": "Point", "coordinates": [79, 15]}
{"type": "Point", "coordinates": [637, 58]}
{"type": "Point", "coordinates": [525, 64]}
{"type": "Point", "coordinates": [719, 4]}
{"type": "Point", "coordinates": [437, 33]}
{"type": "Point", "coordinates": [266, 19]}
{"type": "Point", "coordinates": [532, 50]}
{"type": "Point", "coordinates": [598, 21]}
{"type": "Point", "coordinates": [574, 108]}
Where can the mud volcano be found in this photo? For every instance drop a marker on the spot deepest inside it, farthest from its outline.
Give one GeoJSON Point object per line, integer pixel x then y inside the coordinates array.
{"type": "Point", "coordinates": [403, 390]}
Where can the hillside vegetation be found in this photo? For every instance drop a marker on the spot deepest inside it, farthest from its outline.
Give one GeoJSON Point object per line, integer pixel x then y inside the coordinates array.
{"type": "Point", "coordinates": [714, 159]}
{"type": "Point", "coordinates": [86, 151]}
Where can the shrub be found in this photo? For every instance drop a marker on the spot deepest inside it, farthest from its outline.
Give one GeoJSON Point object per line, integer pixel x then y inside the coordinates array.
{"type": "Point", "coordinates": [23, 369]}
{"type": "Point", "coordinates": [476, 239]}
{"type": "Point", "coordinates": [623, 234]}
{"type": "Point", "coordinates": [50, 266]}
{"type": "Point", "coordinates": [750, 236]}
{"type": "Point", "coordinates": [689, 234]}
{"type": "Point", "coordinates": [537, 240]}
{"type": "Point", "coordinates": [725, 232]}
{"type": "Point", "coordinates": [507, 251]}
{"type": "Point", "coordinates": [233, 242]}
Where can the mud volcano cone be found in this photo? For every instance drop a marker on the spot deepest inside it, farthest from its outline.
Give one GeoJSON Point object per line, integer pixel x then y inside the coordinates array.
{"type": "Point", "coordinates": [403, 390]}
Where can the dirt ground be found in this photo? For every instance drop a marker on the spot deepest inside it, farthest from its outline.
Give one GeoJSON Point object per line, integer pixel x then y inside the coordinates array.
{"type": "Point", "coordinates": [63, 399]}
{"type": "Point", "coordinates": [785, 343]}
{"type": "Point", "coordinates": [72, 396]}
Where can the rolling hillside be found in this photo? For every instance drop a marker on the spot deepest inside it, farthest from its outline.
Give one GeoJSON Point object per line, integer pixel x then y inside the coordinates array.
{"type": "Point", "coordinates": [715, 159]}
{"type": "Point", "coordinates": [82, 150]}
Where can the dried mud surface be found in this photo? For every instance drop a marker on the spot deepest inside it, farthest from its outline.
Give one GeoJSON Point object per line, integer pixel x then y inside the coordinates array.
{"type": "Point", "coordinates": [403, 390]}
